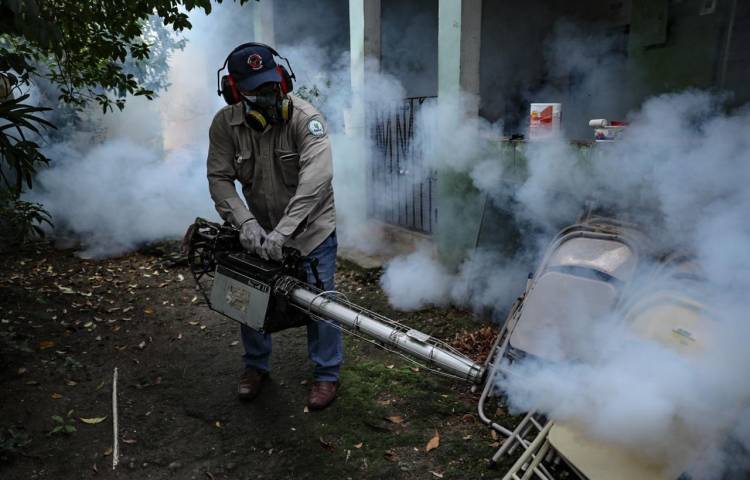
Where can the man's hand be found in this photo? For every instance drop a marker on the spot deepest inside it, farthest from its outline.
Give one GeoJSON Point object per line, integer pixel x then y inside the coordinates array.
{"type": "Point", "coordinates": [271, 249]}
{"type": "Point", "coordinates": [251, 236]}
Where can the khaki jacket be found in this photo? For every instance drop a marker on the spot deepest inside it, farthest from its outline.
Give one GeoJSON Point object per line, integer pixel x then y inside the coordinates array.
{"type": "Point", "coordinates": [285, 173]}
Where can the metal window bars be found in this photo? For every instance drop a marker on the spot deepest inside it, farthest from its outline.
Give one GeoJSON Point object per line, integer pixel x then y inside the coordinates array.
{"type": "Point", "coordinates": [402, 188]}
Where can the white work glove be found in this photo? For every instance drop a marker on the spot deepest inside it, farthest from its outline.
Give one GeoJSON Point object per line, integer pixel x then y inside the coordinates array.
{"type": "Point", "coordinates": [271, 249]}
{"type": "Point", "coordinates": [252, 236]}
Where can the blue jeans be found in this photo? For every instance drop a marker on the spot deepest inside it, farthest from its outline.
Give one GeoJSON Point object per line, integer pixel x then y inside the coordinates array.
{"type": "Point", "coordinates": [324, 346]}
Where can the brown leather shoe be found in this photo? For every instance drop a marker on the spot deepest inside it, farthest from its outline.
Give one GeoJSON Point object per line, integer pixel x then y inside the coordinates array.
{"type": "Point", "coordinates": [322, 394]}
{"type": "Point", "coordinates": [250, 383]}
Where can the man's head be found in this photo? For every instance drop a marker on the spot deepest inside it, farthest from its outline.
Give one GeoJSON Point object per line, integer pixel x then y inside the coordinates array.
{"type": "Point", "coordinates": [253, 66]}
{"type": "Point", "coordinates": [259, 83]}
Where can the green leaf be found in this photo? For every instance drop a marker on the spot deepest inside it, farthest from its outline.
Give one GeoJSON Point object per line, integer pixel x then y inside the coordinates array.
{"type": "Point", "coordinates": [57, 418]}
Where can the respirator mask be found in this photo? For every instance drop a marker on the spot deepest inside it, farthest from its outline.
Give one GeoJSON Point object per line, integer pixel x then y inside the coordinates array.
{"type": "Point", "coordinates": [263, 102]}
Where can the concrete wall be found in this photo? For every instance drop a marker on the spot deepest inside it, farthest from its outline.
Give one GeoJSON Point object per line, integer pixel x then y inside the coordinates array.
{"type": "Point", "coordinates": [409, 50]}
{"type": "Point", "coordinates": [736, 78]}
{"type": "Point", "coordinates": [324, 23]}
{"type": "Point", "coordinates": [683, 45]}
{"type": "Point", "coordinates": [516, 46]}
{"type": "Point", "coordinates": [664, 46]}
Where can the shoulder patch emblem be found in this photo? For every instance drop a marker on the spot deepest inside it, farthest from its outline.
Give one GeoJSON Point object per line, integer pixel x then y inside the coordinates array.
{"type": "Point", "coordinates": [316, 128]}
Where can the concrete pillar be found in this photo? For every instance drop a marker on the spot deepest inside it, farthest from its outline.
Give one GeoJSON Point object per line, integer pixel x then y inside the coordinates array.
{"type": "Point", "coordinates": [458, 203]}
{"type": "Point", "coordinates": [263, 18]}
{"type": "Point", "coordinates": [364, 37]}
{"type": "Point", "coordinates": [459, 34]}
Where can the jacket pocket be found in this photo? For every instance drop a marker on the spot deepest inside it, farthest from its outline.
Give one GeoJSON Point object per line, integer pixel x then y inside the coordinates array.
{"type": "Point", "coordinates": [288, 163]}
{"type": "Point", "coordinates": [244, 165]}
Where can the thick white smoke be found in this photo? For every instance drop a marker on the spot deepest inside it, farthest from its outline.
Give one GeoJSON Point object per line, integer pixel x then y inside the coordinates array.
{"type": "Point", "coordinates": [687, 163]}
{"type": "Point", "coordinates": [416, 279]}
{"type": "Point", "coordinates": [139, 175]}
{"type": "Point", "coordinates": [681, 171]}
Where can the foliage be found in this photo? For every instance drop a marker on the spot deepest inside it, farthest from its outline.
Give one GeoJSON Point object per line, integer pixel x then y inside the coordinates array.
{"type": "Point", "coordinates": [12, 441]}
{"type": "Point", "coordinates": [63, 425]}
{"type": "Point", "coordinates": [89, 51]}
{"type": "Point", "coordinates": [310, 94]}
{"type": "Point", "coordinates": [20, 153]}
{"type": "Point", "coordinates": [82, 46]}
{"type": "Point", "coordinates": [20, 220]}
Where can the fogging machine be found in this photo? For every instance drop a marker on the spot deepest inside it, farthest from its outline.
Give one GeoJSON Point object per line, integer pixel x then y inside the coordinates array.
{"type": "Point", "coordinates": [271, 296]}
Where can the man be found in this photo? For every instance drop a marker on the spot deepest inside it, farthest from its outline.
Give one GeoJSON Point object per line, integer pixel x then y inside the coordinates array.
{"type": "Point", "coordinates": [285, 169]}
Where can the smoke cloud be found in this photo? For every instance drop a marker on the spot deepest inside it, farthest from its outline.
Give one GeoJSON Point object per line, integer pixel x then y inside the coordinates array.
{"type": "Point", "coordinates": [680, 172]}
{"type": "Point", "coordinates": [127, 178]}
{"type": "Point", "coordinates": [122, 179]}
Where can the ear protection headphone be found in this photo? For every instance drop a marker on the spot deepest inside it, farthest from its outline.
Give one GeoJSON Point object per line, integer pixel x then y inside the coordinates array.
{"type": "Point", "coordinates": [227, 89]}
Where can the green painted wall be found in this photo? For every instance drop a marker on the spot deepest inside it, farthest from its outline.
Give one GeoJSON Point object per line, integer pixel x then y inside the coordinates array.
{"type": "Point", "coordinates": [467, 218]}
{"type": "Point", "coordinates": [672, 46]}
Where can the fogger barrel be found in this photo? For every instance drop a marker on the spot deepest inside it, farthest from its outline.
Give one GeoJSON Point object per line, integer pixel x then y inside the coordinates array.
{"type": "Point", "coordinates": [256, 292]}
{"type": "Point", "coordinates": [409, 341]}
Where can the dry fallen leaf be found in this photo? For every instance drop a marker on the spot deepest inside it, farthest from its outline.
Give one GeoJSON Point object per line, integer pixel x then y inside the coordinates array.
{"type": "Point", "coordinates": [193, 322]}
{"type": "Point", "coordinates": [436, 474]}
{"type": "Point", "coordinates": [395, 419]}
{"type": "Point", "coordinates": [218, 424]}
{"type": "Point", "coordinates": [307, 409]}
{"type": "Point", "coordinates": [56, 396]}
{"type": "Point", "coordinates": [66, 290]}
{"type": "Point", "coordinates": [493, 434]}
{"type": "Point", "coordinates": [359, 445]}
{"type": "Point", "coordinates": [148, 311]}
{"type": "Point", "coordinates": [433, 443]}
{"type": "Point", "coordinates": [389, 366]}
{"type": "Point", "coordinates": [45, 344]}
{"type": "Point", "coordinates": [129, 440]}
{"type": "Point", "coordinates": [234, 343]}
{"type": "Point", "coordinates": [71, 383]}
{"type": "Point", "coordinates": [22, 370]}
{"type": "Point", "coordinates": [391, 456]}
{"type": "Point", "coordinates": [93, 420]}
{"type": "Point", "coordinates": [107, 452]}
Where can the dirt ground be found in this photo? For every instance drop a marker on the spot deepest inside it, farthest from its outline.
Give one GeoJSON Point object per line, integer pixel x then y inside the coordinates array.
{"type": "Point", "coordinates": [67, 323]}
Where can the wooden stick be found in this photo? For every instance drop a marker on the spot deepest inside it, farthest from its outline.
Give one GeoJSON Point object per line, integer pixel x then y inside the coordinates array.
{"type": "Point", "coordinates": [115, 435]}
